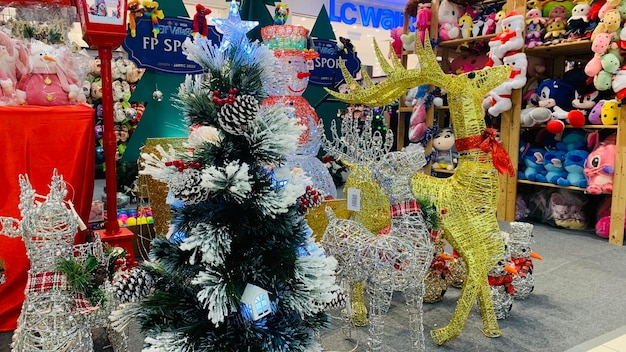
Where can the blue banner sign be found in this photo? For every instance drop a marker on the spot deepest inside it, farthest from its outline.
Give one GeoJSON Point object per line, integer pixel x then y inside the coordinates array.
{"type": "Point", "coordinates": [326, 71]}
{"type": "Point", "coordinates": [163, 52]}
{"type": "Point", "coordinates": [369, 16]}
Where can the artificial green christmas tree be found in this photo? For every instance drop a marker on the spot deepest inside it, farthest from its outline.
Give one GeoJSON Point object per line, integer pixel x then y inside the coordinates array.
{"type": "Point", "coordinates": [240, 271]}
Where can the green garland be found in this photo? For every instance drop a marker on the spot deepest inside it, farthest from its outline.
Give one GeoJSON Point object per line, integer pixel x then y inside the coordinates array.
{"type": "Point", "coordinates": [85, 278]}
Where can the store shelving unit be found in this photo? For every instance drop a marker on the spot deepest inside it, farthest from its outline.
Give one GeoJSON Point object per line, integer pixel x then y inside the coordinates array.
{"type": "Point", "coordinates": [510, 128]}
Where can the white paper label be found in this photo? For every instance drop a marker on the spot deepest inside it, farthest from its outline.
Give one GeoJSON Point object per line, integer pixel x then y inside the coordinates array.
{"type": "Point", "coordinates": [354, 199]}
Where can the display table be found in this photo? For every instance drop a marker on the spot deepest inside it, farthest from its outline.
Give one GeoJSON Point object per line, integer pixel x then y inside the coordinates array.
{"type": "Point", "coordinates": [34, 140]}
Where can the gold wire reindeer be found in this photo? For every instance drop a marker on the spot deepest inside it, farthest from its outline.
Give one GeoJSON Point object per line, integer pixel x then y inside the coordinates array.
{"type": "Point", "coordinates": [359, 147]}
{"type": "Point", "coordinates": [467, 200]}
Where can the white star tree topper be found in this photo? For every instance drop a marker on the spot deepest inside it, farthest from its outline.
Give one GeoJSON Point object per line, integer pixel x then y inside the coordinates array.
{"type": "Point", "coordinates": [233, 26]}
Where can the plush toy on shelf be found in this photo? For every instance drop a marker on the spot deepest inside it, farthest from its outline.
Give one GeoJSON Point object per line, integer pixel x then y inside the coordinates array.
{"type": "Point", "coordinates": [396, 42]}
{"type": "Point", "coordinates": [532, 159]}
{"type": "Point", "coordinates": [408, 41]}
{"type": "Point", "coordinates": [466, 24]}
{"type": "Point", "coordinates": [423, 18]}
{"type": "Point", "coordinates": [14, 58]}
{"type": "Point", "coordinates": [578, 21]}
{"type": "Point", "coordinates": [446, 156]}
{"type": "Point", "coordinates": [610, 112]}
{"type": "Point", "coordinates": [603, 224]}
{"type": "Point", "coordinates": [566, 209]}
{"type": "Point", "coordinates": [574, 164]}
{"type": "Point", "coordinates": [510, 39]}
{"type": "Point", "coordinates": [51, 80]}
{"type": "Point", "coordinates": [555, 95]}
{"type": "Point", "coordinates": [500, 97]}
{"type": "Point", "coordinates": [448, 16]}
{"type": "Point", "coordinates": [553, 163]}
{"type": "Point", "coordinates": [535, 25]}
{"type": "Point", "coordinates": [600, 165]}
{"type": "Point", "coordinates": [586, 98]}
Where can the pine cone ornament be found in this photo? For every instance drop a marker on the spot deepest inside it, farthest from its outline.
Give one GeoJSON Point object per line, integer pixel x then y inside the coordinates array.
{"type": "Point", "coordinates": [131, 285]}
{"type": "Point", "coordinates": [234, 118]}
{"type": "Point", "coordinates": [339, 302]}
{"type": "Point", "coordinates": [312, 198]}
{"type": "Point", "coordinates": [185, 185]}
{"type": "Point", "coordinates": [100, 274]}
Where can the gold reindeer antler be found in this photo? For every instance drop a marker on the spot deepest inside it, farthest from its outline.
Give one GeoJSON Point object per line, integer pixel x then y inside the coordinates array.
{"type": "Point", "coordinates": [399, 79]}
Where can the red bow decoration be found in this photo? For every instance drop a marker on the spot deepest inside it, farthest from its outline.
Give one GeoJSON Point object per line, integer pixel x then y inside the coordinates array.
{"type": "Point", "coordinates": [501, 159]}
{"type": "Point", "coordinates": [523, 266]}
{"type": "Point", "coordinates": [506, 281]}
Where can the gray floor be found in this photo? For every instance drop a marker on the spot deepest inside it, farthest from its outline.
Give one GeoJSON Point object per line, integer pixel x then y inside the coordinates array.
{"type": "Point", "coordinates": [578, 297]}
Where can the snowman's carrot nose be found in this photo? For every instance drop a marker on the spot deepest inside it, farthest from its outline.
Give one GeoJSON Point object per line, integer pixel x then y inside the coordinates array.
{"type": "Point", "coordinates": [302, 75]}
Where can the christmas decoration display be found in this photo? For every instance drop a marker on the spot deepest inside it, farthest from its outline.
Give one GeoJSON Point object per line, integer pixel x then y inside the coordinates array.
{"type": "Point", "coordinates": [436, 280]}
{"type": "Point", "coordinates": [395, 260]}
{"type": "Point", "coordinates": [241, 270]}
{"type": "Point", "coordinates": [520, 249]}
{"type": "Point", "coordinates": [458, 270]}
{"type": "Point", "coordinates": [49, 320]}
{"type": "Point", "coordinates": [467, 200]}
{"type": "Point", "coordinates": [501, 285]}
{"type": "Point", "coordinates": [359, 146]}
{"type": "Point", "coordinates": [287, 83]}
{"type": "Point", "coordinates": [200, 25]}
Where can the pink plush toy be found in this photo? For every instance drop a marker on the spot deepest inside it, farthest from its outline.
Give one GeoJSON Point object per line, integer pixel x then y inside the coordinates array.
{"type": "Point", "coordinates": [600, 165]}
{"type": "Point", "coordinates": [603, 224]}
{"type": "Point", "coordinates": [51, 81]}
{"type": "Point", "coordinates": [13, 58]}
{"type": "Point", "coordinates": [601, 43]}
{"type": "Point", "coordinates": [395, 34]}
{"type": "Point", "coordinates": [423, 18]}
{"type": "Point", "coordinates": [448, 16]}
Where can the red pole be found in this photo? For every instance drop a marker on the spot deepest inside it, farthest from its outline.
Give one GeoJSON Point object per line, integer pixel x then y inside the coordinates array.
{"type": "Point", "coordinates": [109, 139]}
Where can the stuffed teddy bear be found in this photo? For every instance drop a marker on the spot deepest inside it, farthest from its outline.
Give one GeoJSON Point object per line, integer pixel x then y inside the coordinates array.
{"type": "Point", "coordinates": [553, 163]}
{"type": "Point", "coordinates": [574, 164]}
{"type": "Point", "coordinates": [448, 16]}
{"type": "Point", "coordinates": [396, 42]}
{"type": "Point", "coordinates": [535, 25]}
{"type": "Point", "coordinates": [446, 156]}
{"type": "Point", "coordinates": [600, 165]}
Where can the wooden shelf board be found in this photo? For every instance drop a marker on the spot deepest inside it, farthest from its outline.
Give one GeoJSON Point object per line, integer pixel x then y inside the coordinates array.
{"type": "Point", "coordinates": [454, 43]}
{"type": "Point", "coordinates": [586, 127]}
{"type": "Point", "coordinates": [443, 107]}
{"type": "Point", "coordinates": [581, 47]}
{"type": "Point", "coordinates": [544, 184]}
{"type": "Point", "coordinates": [405, 109]}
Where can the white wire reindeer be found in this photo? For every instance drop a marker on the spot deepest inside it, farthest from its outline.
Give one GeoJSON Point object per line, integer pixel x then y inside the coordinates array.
{"type": "Point", "coordinates": [387, 262]}
{"type": "Point", "coordinates": [47, 322]}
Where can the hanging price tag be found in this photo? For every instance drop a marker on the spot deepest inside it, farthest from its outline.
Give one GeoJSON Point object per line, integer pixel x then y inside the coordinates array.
{"type": "Point", "coordinates": [354, 199]}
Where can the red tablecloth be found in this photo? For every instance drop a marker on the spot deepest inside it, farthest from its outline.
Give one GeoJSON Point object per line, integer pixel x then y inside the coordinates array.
{"type": "Point", "coordinates": [34, 140]}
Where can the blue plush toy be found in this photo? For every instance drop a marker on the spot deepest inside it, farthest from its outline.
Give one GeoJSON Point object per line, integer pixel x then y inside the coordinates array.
{"type": "Point", "coordinates": [574, 164]}
{"type": "Point", "coordinates": [553, 163]}
{"type": "Point", "coordinates": [556, 95]}
{"type": "Point", "coordinates": [573, 139]}
{"type": "Point", "coordinates": [533, 161]}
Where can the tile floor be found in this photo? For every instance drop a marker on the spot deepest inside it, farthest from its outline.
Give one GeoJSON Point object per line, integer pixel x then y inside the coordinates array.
{"type": "Point", "coordinates": [614, 341]}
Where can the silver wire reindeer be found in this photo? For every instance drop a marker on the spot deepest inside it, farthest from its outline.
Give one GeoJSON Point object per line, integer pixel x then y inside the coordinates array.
{"type": "Point", "coordinates": [393, 260]}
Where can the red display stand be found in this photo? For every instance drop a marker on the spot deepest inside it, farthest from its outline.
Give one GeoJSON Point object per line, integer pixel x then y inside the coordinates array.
{"type": "Point", "coordinates": [34, 140]}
